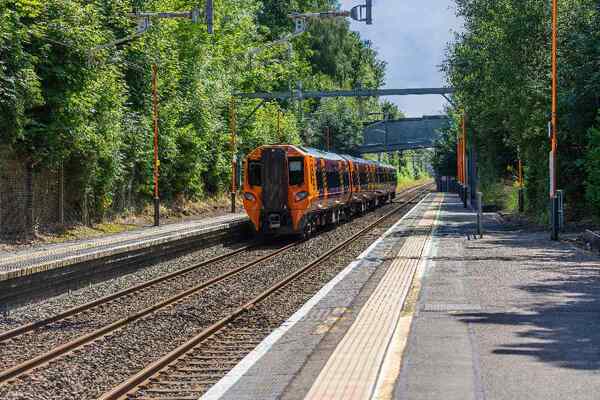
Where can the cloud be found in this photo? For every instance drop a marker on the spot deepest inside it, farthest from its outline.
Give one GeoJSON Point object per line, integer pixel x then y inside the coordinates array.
{"type": "Point", "coordinates": [412, 37]}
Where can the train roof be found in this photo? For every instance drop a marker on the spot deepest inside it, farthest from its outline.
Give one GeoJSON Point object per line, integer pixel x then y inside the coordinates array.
{"type": "Point", "coordinates": [321, 154]}
{"type": "Point", "coordinates": [334, 156]}
{"type": "Point", "coordinates": [365, 161]}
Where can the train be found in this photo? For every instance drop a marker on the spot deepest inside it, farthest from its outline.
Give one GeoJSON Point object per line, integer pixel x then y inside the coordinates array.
{"type": "Point", "coordinates": [294, 190]}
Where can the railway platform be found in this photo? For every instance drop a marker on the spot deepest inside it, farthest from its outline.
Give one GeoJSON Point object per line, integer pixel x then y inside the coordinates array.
{"type": "Point", "coordinates": [46, 263]}
{"type": "Point", "coordinates": [429, 312]}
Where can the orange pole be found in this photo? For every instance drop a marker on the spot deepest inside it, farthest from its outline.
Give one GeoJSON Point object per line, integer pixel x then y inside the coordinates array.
{"type": "Point", "coordinates": [464, 148]}
{"type": "Point", "coordinates": [232, 129]}
{"type": "Point", "coordinates": [520, 174]}
{"type": "Point", "coordinates": [279, 135]}
{"type": "Point", "coordinates": [554, 138]}
{"type": "Point", "coordinates": [156, 161]}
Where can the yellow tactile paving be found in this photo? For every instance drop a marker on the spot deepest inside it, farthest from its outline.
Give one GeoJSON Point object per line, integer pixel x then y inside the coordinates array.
{"type": "Point", "coordinates": [352, 370]}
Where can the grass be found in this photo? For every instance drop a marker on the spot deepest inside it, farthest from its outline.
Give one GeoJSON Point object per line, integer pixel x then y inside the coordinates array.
{"type": "Point", "coordinates": [85, 232]}
{"type": "Point", "coordinates": [176, 211]}
{"type": "Point", "coordinates": [504, 195]}
{"type": "Point", "coordinates": [406, 182]}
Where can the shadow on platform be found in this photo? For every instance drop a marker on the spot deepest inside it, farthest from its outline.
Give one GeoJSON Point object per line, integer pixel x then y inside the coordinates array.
{"type": "Point", "coordinates": [563, 327]}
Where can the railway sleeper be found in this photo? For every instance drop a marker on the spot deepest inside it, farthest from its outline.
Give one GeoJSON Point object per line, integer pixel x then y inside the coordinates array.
{"type": "Point", "coordinates": [174, 390]}
{"type": "Point", "coordinates": [204, 362]}
{"type": "Point", "coordinates": [164, 398]}
{"type": "Point", "coordinates": [198, 379]}
{"type": "Point", "coordinates": [175, 383]}
{"type": "Point", "coordinates": [227, 356]}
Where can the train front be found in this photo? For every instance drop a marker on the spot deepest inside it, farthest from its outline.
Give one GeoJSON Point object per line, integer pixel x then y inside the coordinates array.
{"type": "Point", "coordinates": [276, 194]}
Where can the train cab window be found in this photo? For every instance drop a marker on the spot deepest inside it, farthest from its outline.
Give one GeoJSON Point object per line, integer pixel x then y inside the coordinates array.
{"type": "Point", "coordinates": [254, 173]}
{"type": "Point", "coordinates": [346, 179]}
{"type": "Point", "coordinates": [296, 170]}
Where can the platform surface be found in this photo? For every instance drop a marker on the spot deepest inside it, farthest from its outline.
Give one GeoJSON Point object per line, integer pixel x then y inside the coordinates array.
{"type": "Point", "coordinates": [45, 257]}
{"type": "Point", "coordinates": [333, 333]}
{"type": "Point", "coordinates": [509, 316]}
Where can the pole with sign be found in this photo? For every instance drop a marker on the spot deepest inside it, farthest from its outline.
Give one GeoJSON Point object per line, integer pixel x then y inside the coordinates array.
{"type": "Point", "coordinates": [553, 121]}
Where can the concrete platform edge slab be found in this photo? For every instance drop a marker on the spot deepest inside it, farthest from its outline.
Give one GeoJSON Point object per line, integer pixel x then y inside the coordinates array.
{"type": "Point", "coordinates": [21, 265]}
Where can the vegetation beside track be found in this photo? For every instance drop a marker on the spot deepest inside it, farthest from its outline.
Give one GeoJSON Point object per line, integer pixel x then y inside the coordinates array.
{"type": "Point", "coordinates": [64, 107]}
{"type": "Point", "coordinates": [500, 68]}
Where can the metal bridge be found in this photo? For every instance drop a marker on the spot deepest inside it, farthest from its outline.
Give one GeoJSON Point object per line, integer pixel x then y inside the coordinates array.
{"type": "Point", "coordinates": [403, 134]}
{"type": "Point", "coordinates": [299, 94]}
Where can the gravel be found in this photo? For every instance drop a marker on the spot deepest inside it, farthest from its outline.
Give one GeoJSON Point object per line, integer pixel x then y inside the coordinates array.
{"type": "Point", "coordinates": [63, 331]}
{"type": "Point", "coordinates": [54, 305]}
{"type": "Point", "coordinates": [102, 364]}
{"type": "Point", "coordinates": [254, 326]}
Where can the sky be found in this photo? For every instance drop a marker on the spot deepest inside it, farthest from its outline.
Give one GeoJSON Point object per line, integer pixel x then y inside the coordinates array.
{"type": "Point", "coordinates": [411, 35]}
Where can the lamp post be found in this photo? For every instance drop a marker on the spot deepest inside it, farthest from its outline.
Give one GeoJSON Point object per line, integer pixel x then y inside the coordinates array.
{"type": "Point", "coordinates": [464, 161]}
{"type": "Point", "coordinates": [156, 163]}
{"type": "Point", "coordinates": [553, 122]}
{"type": "Point", "coordinates": [232, 130]}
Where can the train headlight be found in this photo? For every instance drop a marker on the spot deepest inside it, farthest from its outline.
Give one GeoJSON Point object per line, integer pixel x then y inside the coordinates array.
{"type": "Point", "coordinates": [249, 196]}
{"type": "Point", "coordinates": [301, 196]}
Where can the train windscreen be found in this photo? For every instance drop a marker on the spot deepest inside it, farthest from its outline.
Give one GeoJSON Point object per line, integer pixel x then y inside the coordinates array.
{"type": "Point", "coordinates": [296, 170]}
{"type": "Point", "coordinates": [254, 173]}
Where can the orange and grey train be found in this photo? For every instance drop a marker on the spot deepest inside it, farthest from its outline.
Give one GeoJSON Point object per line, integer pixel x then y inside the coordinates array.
{"type": "Point", "coordinates": [294, 190]}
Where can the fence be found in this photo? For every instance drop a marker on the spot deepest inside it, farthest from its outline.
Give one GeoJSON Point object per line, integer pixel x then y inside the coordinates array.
{"type": "Point", "coordinates": [446, 184]}
{"type": "Point", "coordinates": [33, 199]}
{"type": "Point", "coordinates": [30, 199]}
{"type": "Point", "coordinates": [38, 200]}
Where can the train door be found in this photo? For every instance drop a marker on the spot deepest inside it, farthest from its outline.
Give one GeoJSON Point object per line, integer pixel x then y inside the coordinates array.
{"type": "Point", "coordinates": [274, 179]}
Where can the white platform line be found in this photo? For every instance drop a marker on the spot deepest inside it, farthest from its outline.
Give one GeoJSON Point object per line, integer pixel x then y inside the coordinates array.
{"type": "Point", "coordinates": [233, 376]}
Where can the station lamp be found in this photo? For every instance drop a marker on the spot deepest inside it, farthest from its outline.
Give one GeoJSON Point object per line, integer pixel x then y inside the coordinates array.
{"type": "Point", "coordinates": [360, 13]}
{"type": "Point", "coordinates": [363, 12]}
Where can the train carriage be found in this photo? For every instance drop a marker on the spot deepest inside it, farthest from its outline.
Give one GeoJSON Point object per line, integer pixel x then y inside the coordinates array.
{"type": "Point", "coordinates": [293, 190]}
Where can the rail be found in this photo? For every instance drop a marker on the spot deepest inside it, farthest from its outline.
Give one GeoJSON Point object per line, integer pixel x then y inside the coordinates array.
{"type": "Point", "coordinates": [128, 387]}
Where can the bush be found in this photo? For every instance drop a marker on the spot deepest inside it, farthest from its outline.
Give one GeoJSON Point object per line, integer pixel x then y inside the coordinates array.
{"type": "Point", "coordinates": [592, 169]}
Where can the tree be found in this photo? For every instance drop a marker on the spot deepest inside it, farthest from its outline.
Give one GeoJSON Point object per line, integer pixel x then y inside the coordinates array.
{"type": "Point", "coordinates": [499, 67]}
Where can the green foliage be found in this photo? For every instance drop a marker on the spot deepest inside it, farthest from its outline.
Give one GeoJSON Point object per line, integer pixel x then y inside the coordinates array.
{"type": "Point", "coordinates": [500, 68]}
{"type": "Point", "coordinates": [412, 164]}
{"type": "Point", "coordinates": [63, 102]}
{"type": "Point", "coordinates": [443, 159]}
{"type": "Point", "coordinates": [592, 167]}
{"type": "Point", "coordinates": [340, 117]}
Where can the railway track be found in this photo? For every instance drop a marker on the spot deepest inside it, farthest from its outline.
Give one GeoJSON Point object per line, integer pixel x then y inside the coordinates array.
{"type": "Point", "coordinates": [70, 349]}
{"type": "Point", "coordinates": [30, 335]}
{"type": "Point", "coordinates": [190, 369]}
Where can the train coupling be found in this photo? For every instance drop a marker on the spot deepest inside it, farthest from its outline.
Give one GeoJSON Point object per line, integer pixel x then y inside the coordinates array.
{"type": "Point", "coordinates": [274, 221]}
